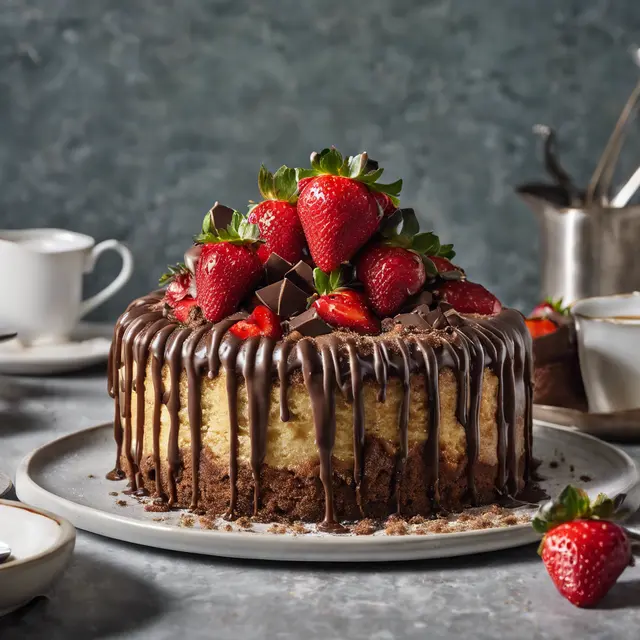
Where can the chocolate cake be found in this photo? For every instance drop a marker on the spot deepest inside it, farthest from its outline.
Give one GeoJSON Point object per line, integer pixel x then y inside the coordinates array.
{"type": "Point", "coordinates": [387, 385]}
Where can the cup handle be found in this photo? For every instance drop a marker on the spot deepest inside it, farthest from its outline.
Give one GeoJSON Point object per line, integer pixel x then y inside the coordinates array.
{"type": "Point", "coordinates": [123, 277]}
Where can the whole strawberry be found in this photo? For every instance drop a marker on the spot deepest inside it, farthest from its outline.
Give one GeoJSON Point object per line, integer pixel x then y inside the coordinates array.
{"type": "Point", "coordinates": [228, 268]}
{"type": "Point", "coordinates": [277, 216]}
{"type": "Point", "coordinates": [395, 268]}
{"type": "Point", "coordinates": [582, 550]}
{"type": "Point", "coordinates": [337, 206]}
{"type": "Point", "coordinates": [468, 297]}
{"type": "Point", "coordinates": [341, 307]}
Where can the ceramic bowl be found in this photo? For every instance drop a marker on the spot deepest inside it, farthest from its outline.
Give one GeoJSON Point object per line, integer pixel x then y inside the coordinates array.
{"type": "Point", "coordinates": [41, 544]}
{"type": "Point", "coordinates": [608, 329]}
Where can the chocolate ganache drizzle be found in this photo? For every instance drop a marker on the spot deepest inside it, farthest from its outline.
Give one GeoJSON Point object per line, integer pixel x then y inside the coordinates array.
{"type": "Point", "coordinates": [330, 364]}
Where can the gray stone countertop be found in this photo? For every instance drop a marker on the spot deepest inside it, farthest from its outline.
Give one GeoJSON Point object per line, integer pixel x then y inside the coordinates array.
{"type": "Point", "coordinates": [118, 590]}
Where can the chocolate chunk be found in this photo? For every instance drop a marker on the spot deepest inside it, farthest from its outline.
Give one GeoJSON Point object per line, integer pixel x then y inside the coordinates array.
{"type": "Point", "coordinates": [436, 319]}
{"type": "Point", "coordinates": [422, 310]}
{"type": "Point", "coordinates": [309, 324]}
{"type": "Point", "coordinates": [292, 300]}
{"type": "Point", "coordinates": [275, 268]}
{"type": "Point", "coordinates": [453, 318]}
{"type": "Point", "coordinates": [444, 306]}
{"type": "Point", "coordinates": [220, 216]}
{"type": "Point", "coordinates": [302, 276]}
{"type": "Point", "coordinates": [414, 320]}
{"type": "Point", "coordinates": [270, 295]}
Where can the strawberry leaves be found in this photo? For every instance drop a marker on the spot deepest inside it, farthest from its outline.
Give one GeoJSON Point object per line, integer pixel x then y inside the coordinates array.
{"type": "Point", "coordinates": [574, 504]}
{"type": "Point", "coordinates": [326, 282]}
{"type": "Point", "coordinates": [331, 162]}
{"type": "Point", "coordinates": [174, 270]}
{"type": "Point", "coordinates": [281, 185]}
{"type": "Point", "coordinates": [239, 231]}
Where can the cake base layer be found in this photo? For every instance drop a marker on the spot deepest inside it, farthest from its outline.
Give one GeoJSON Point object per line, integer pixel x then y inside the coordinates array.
{"type": "Point", "coordinates": [298, 495]}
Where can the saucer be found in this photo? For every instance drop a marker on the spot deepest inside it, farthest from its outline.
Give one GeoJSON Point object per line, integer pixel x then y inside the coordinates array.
{"type": "Point", "coordinates": [41, 545]}
{"type": "Point", "coordinates": [88, 345]}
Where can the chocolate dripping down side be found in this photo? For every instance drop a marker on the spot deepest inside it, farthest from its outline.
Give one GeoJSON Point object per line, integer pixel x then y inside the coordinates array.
{"type": "Point", "coordinates": [329, 365]}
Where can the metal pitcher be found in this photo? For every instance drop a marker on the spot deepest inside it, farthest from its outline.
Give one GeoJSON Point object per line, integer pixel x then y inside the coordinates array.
{"type": "Point", "coordinates": [589, 241]}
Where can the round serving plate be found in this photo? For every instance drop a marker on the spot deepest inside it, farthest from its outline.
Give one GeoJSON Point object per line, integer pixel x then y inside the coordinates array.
{"type": "Point", "coordinates": [621, 426]}
{"type": "Point", "coordinates": [68, 477]}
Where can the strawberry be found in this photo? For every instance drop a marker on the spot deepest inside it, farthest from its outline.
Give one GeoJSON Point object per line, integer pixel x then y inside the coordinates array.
{"type": "Point", "coordinates": [582, 550]}
{"type": "Point", "coordinates": [182, 309]}
{"type": "Point", "coordinates": [261, 322]}
{"type": "Point", "coordinates": [180, 280]}
{"type": "Point", "coordinates": [539, 327]}
{"type": "Point", "coordinates": [549, 308]}
{"type": "Point", "coordinates": [468, 297]}
{"type": "Point", "coordinates": [229, 267]}
{"type": "Point", "coordinates": [446, 269]}
{"type": "Point", "coordinates": [394, 269]}
{"type": "Point", "coordinates": [340, 307]}
{"type": "Point", "coordinates": [385, 203]}
{"type": "Point", "coordinates": [277, 216]}
{"type": "Point", "coordinates": [337, 208]}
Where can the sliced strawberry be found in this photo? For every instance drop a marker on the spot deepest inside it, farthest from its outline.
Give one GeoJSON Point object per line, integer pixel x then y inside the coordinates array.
{"type": "Point", "coordinates": [582, 550]}
{"type": "Point", "coordinates": [343, 308]}
{"type": "Point", "coordinates": [539, 327]}
{"type": "Point", "coordinates": [277, 216]}
{"type": "Point", "coordinates": [182, 309]}
{"type": "Point", "coordinates": [337, 208]}
{"type": "Point", "coordinates": [468, 297]}
{"type": "Point", "coordinates": [261, 322]}
{"type": "Point", "coordinates": [228, 268]}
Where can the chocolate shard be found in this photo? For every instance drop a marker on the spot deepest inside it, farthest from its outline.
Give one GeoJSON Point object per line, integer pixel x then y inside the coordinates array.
{"type": "Point", "coordinates": [220, 215]}
{"type": "Point", "coordinates": [422, 310]}
{"type": "Point", "coordinates": [309, 324]}
{"type": "Point", "coordinates": [302, 276]}
{"type": "Point", "coordinates": [270, 295]}
{"type": "Point", "coordinates": [453, 318]}
{"type": "Point", "coordinates": [436, 319]}
{"type": "Point", "coordinates": [292, 300]}
{"type": "Point", "coordinates": [415, 320]}
{"type": "Point", "coordinates": [444, 306]}
{"type": "Point", "coordinates": [276, 267]}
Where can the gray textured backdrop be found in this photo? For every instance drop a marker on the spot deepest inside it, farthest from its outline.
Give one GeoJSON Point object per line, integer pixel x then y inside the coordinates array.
{"type": "Point", "coordinates": [128, 118]}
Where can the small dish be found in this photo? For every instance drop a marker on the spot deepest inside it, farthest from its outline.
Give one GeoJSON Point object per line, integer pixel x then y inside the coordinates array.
{"type": "Point", "coordinates": [41, 545]}
{"type": "Point", "coordinates": [89, 345]}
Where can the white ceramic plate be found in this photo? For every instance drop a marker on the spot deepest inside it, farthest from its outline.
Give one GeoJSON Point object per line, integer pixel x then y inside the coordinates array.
{"type": "Point", "coordinates": [89, 344]}
{"type": "Point", "coordinates": [68, 475]}
{"type": "Point", "coordinates": [5, 484]}
{"type": "Point", "coordinates": [41, 545]}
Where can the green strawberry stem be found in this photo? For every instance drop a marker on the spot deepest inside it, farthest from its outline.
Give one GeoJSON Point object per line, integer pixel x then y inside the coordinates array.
{"type": "Point", "coordinates": [173, 271]}
{"type": "Point", "coordinates": [239, 231]}
{"type": "Point", "coordinates": [325, 283]}
{"type": "Point", "coordinates": [281, 185]}
{"type": "Point", "coordinates": [331, 162]}
{"type": "Point", "coordinates": [557, 306]}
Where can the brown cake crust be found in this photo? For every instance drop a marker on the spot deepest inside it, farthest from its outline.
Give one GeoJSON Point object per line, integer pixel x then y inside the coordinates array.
{"type": "Point", "coordinates": [334, 428]}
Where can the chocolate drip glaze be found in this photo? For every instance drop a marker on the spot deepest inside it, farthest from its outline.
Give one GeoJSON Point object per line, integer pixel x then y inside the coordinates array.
{"type": "Point", "coordinates": [337, 362]}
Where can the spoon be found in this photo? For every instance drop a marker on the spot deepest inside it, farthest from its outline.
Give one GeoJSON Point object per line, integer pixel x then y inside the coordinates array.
{"type": "Point", "coordinates": [5, 552]}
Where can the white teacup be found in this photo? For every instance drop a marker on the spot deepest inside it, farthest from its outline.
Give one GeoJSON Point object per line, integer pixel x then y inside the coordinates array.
{"type": "Point", "coordinates": [608, 330]}
{"type": "Point", "coordinates": [42, 273]}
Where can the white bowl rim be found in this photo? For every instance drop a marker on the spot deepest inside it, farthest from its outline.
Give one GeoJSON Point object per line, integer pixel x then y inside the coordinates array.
{"type": "Point", "coordinates": [610, 320]}
{"type": "Point", "coordinates": [66, 536]}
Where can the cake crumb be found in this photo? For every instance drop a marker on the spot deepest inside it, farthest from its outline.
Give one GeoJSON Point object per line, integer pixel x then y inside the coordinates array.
{"type": "Point", "coordinates": [571, 468]}
{"type": "Point", "coordinates": [509, 520]}
{"type": "Point", "coordinates": [436, 526]}
{"type": "Point", "coordinates": [156, 507]}
{"type": "Point", "coordinates": [464, 517]}
{"type": "Point", "coordinates": [420, 531]}
{"type": "Point", "coordinates": [298, 528]}
{"type": "Point", "coordinates": [396, 527]}
{"type": "Point", "coordinates": [121, 503]}
{"type": "Point", "coordinates": [186, 520]}
{"type": "Point", "coordinates": [207, 523]}
{"type": "Point", "coordinates": [113, 493]}
{"type": "Point", "coordinates": [244, 522]}
{"type": "Point", "coordinates": [366, 527]}
{"type": "Point", "coordinates": [228, 527]}
{"type": "Point", "coordinates": [91, 475]}
{"type": "Point", "coordinates": [277, 528]}
{"type": "Point", "coordinates": [417, 520]}
{"type": "Point", "coordinates": [495, 509]}
{"type": "Point", "coordinates": [158, 519]}
{"type": "Point", "coordinates": [585, 478]}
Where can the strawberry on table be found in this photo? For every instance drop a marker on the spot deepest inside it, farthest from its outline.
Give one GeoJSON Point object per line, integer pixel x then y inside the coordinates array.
{"type": "Point", "coordinates": [229, 267]}
{"type": "Point", "coordinates": [395, 268]}
{"type": "Point", "coordinates": [341, 307]}
{"type": "Point", "coordinates": [261, 322]}
{"type": "Point", "coordinates": [277, 216]}
{"type": "Point", "coordinates": [338, 207]}
{"type": "Point", "coordinates": [468, 297]}
{"type": "Point", "coordinates": [582, 550]}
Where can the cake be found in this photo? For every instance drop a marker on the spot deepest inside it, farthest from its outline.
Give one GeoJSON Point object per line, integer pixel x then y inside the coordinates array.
{"type": "Point", "coordinates": [558, 380]}
{"type": "Point", "coordinates": [320, 360]}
